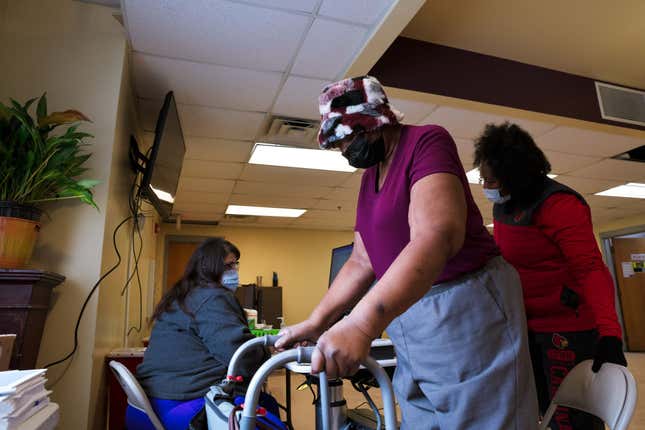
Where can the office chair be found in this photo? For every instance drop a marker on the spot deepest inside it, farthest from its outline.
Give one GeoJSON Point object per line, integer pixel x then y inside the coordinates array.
{"type": "Point", "coordinates": [609, 394]}
{"type": "Point", "coordinates": [137, 398]}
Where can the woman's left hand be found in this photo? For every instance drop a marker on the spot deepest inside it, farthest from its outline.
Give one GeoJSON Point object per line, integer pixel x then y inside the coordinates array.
{"type": "Point", "coordinates": [340, 350]}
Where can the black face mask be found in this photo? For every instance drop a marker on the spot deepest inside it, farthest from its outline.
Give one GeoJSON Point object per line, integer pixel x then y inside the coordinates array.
{"type": "Point", "coordinates": [363, 154]}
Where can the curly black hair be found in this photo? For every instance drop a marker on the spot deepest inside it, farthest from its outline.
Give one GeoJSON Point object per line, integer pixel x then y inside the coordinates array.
{"type": "Point", "coordinates": [516, 161]}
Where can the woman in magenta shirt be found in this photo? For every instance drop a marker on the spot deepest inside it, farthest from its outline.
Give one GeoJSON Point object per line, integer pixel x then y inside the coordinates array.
{"type": "Point", "coordinates": [452, 306]}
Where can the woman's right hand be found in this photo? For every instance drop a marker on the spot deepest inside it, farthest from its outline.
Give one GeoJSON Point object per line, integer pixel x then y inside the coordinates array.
{"type": "Point", "coordinates": [305, 333]}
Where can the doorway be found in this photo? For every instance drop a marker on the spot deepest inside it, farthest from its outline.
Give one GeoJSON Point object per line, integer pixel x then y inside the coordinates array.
{"type": "Point", "coordinates": [178, 252]}
{"type": "Point", "coordinates": [625, 252]}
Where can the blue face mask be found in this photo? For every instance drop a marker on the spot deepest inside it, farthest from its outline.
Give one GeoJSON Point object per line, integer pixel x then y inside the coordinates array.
{"type": "Point", "coordinates": [231, 279]}
{"type": "Point", "coordinates": [494, 196]}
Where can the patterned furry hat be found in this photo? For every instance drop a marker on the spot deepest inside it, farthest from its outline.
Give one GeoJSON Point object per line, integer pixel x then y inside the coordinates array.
{"type": "Point", "coordinates": [351, 106]}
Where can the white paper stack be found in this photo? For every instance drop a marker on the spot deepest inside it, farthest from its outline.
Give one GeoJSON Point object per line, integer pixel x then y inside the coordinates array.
{"type": "Point", "coordinates": [22, 394]}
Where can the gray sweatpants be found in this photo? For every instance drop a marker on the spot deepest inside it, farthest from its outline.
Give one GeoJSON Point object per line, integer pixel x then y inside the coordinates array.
{"type": "Point", "coordinates": [462, 355]}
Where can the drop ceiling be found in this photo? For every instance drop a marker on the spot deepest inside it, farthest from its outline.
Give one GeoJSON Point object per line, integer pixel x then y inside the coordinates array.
{"type": "Point", "coordinates": [234, 64]}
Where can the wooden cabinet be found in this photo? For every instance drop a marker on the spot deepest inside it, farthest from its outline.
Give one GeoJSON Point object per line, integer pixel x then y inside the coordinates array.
{"type": "Point", "coordinates": [25, 297]}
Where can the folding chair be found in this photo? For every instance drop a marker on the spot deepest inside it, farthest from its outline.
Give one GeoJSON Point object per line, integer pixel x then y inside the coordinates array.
{"type": "Point", "coordinates": [610, 394]}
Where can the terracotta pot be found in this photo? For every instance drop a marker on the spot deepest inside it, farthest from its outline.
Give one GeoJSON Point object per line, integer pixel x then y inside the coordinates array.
{"type": "Point", "coordinates": [19, 227]}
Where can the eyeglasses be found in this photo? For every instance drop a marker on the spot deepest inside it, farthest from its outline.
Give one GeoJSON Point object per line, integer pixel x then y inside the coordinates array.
{"type": "Point", "coordinates": [490, 183]}
{"type": "Point", "coordinates": [232, 265]}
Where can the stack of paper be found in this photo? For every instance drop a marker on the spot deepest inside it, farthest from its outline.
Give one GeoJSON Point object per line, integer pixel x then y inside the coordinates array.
{"type": "Point", "coordinates": [22, 394]}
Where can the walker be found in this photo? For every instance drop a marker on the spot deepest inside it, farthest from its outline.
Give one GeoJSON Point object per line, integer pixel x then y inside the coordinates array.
{"type": "Point", "coordinates": [302, 355]}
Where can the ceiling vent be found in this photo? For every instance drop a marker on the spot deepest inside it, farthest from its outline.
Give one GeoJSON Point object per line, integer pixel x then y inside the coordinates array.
{"type": "Point", "coordinates": [291, 131]}
{"type": "Point", "coordinates": [621, 104]}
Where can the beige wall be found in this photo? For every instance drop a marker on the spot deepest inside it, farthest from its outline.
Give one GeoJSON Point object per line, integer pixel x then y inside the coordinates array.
{"type": "Point", "coordinates": [77, 52]}
{"type": "Point", "coordinates": [301, 258]}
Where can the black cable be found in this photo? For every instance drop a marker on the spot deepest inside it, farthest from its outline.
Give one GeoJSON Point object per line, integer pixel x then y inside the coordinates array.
{"type": "Point", "coordinates": [136, 270]}
{"type": "Point", "coordinates": [89, 296]}
{"type": "Point", "coordinates": [134, 201]}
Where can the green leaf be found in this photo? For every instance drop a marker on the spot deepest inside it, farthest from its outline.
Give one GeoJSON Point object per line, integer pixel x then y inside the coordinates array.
{"type": "Point", "coordinates": [41, 110]}
{"type": "Point", "coordinates": [88, 183]}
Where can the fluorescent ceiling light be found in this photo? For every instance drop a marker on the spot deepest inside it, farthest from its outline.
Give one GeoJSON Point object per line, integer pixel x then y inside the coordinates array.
{"type": "Point", "coordinates": [262, 211]}
{"type": "Point", "coordinates": [271, 154]}
{"type": "Point", "coordinates": [490, 225]}
{"type": "Point", "coordinates": [474, 176]}
{"type": "Point", "coordinates": [631, 190]}
{"type": "Point", "coordinates": [162, 195]}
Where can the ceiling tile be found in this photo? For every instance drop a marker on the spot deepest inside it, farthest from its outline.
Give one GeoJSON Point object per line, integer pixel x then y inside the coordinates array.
{"type": "Point", "coordinates": [274, 221]}
{"type": "Point", "coordinates": [297, 5]}
{"type": "Point", "coordinates": [218, 149]}
{"type": "Point", "coordinates": [615, 202]}
{"type": "Point", "coordinates": [190, 197]}
{"type": "Point", "coordinates": [299, 98]}
{"type": "Point", "coordinates": [205, 122]}
{"type": "Point", "coordinates": [466, 150]}
{"type": "Point", "coordinates": [291, 201]}
{"type": "Point", "coordinates": [562, 163]}
{"type": "Point", "coordinates": [586, 142]}
{"type": "Point", "coordinates": [287, 175]}
{"type": "Point", "coordinates": [619, 170]}
{"type": "Point", "coordinates": [333, 205]}
{"type": "Point", "coordinates": [366, 12]}
{"type": "Point", "coordinates": [283, 190]}
{"type": "Point", "coordinates": [226, 124]}
{"type": "Point", "coordinates": [354, 181]}
{"type": "Point", "coordinates": [199, 207]}
{"type": "Point", "coordinates": [603, 214]}
{"type": "Point", "coordinates": [468, 124]}
{"type": "Point", "coordinates": [216, 31]}
{"type": "Point", "coordinates": [346, 216]}
{"type": "Point", "coordinates": [208, 185]}
{"type": "Point", "coordinates": [204, 84]}
{"type": "Point", "coordinates": [342, 194]}
{"type": "Point", "coordinates": [414, 111]}
{"type": "Point", "coordinates": [586, 185]}
{"type": "Point", "coordinates": [211, 169]}
{"type": "Point", "coordinates": [328, 49]}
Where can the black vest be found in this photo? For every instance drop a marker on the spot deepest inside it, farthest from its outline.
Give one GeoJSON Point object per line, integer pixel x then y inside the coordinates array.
{"type": "Point", "coordinates": [524, 216]}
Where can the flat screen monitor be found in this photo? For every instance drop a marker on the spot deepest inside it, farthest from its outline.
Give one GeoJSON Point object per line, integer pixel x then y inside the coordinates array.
{"type": "Point", "coordinates": [338, 258]}
{"type": "Point", "coordinates": [163, 165]}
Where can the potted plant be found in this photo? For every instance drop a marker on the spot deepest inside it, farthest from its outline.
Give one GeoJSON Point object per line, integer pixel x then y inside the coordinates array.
{"type": "Point", "coordinates": [38, 163]}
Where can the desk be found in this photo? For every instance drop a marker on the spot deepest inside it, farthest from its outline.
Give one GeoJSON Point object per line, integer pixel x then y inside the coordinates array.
{"type": "Point", "coordinates": [117, 400]}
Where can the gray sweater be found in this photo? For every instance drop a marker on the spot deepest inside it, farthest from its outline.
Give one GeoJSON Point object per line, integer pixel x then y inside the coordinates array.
{"type": "Point", "coordinates": [187, 355]}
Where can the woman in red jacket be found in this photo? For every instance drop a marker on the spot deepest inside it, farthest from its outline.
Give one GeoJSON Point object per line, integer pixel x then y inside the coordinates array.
{"type": "Point", "coordinates": [544, 230]}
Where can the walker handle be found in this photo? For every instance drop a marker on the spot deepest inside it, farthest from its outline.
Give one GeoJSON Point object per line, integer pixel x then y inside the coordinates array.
{"type": "Point", "coordinates": [303, 355]}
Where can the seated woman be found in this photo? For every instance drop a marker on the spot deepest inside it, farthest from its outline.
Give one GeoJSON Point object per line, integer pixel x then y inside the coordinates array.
{"type": "Point", "coordinates": [198, 326]}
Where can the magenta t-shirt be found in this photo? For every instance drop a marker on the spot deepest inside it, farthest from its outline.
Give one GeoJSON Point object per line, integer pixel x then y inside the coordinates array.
{"type": "Point", "coordinates": [382, 217]}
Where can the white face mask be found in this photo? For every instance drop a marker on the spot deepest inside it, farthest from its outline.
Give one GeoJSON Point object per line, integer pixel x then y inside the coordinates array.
{"type": "Point", "coordinates": [494, 196]}
{"type": "Point", "coordinates": [231, 279]}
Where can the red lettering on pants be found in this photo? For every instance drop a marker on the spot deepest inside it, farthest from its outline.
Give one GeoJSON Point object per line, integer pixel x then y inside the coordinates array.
{"type": "Point", "coordinates": [565, 356]}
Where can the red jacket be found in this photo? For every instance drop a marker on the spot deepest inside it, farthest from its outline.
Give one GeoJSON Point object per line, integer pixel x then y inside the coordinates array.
{"type": "Point", "coordinates": [556, 248]}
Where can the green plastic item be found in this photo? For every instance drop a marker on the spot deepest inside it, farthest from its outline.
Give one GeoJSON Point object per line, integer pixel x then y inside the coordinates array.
{"type": "Point", "coordinates": [261, 332]}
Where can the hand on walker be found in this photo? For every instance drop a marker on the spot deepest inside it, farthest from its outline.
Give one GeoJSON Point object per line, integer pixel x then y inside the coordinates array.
{"type": "Point", "coordinates": [341, 350]}
{"type": "Point", "coordinates": [305, 333]}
